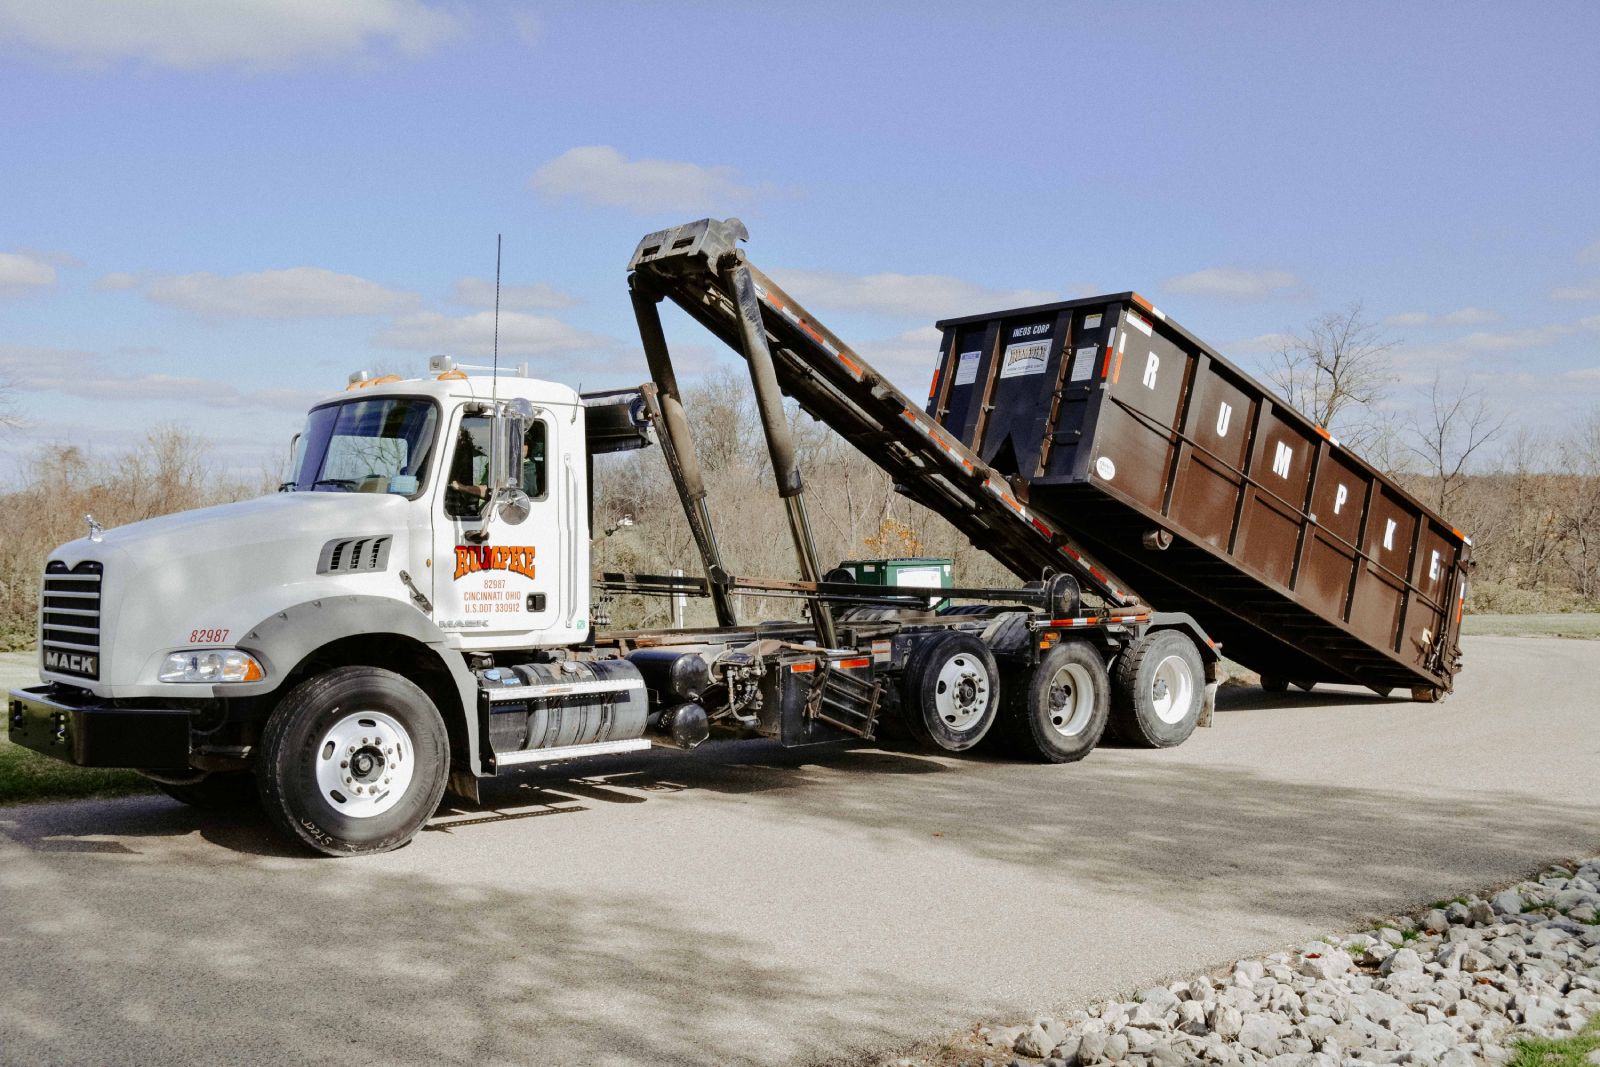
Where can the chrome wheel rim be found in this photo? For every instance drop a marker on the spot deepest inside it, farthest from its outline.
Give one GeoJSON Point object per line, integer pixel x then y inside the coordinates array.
{"type": "Point", "coordinates": [364, 764]}
{"type": "Point", "coordinates": [961, 692]}
{"type": "Point", "coordinates": [1070, 700]}
{"type": "Point", "coordinates": [1172, 690]}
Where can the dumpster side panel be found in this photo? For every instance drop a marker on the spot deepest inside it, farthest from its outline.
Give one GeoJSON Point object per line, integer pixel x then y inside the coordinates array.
{"type": "Point", "coordinates": [1311, 563]}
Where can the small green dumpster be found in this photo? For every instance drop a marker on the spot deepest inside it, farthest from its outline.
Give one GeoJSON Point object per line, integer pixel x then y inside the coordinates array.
{"type": "Point", "coordinates": [920, 571]}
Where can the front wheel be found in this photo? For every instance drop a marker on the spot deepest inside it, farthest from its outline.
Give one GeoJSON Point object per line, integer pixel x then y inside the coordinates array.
{"type": "Point", "coordinates": [353, 761]}
{"type": "Point", "coordinates": [1057, 712]}
{"type": "Point", "coordinates": [1158, 690]}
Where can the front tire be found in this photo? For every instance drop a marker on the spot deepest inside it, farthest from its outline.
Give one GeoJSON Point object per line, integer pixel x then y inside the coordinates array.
{"type": "Point", "coordinates": [1057, 712]}
{"type": "Point", "coordinates": [353, 761]}
{"type": "Point", "coordinates": [1158, 690]}
{"type": "Point", "coordinates": [952, 692]}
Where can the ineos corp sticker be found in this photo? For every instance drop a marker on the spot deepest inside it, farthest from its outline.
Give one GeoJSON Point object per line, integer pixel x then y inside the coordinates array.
{"type": "Point", "coordinates": [1105, 468]}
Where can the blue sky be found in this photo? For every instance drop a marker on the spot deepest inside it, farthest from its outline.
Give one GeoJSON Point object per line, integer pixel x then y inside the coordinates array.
{"type": "Point", "coordinates": [210, 213]}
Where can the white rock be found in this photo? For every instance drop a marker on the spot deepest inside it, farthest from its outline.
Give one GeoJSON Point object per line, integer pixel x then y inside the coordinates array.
{"type": "Point", "coordinates": [1405, 959]}
{"type": "Point", "coordinates": [1507, 903]}
{"type": "Point", "coordinates": [1330, 963]}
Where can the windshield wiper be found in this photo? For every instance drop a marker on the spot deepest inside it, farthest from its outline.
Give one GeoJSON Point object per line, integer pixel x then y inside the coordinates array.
{"type": "Point", "coordinates": [347, 484]}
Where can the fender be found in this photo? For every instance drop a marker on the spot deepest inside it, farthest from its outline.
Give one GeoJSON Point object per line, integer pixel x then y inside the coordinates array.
{"type": "Point", "coordinates": [285, 638]}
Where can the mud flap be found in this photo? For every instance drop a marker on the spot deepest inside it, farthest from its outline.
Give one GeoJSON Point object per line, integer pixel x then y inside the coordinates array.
{"type": "Point", "coordinates": [463, 784]}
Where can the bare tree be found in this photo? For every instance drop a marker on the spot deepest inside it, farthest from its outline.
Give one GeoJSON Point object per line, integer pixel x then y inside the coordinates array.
{"type": "Point", "coordinates": [1338, 373]}
{"type": "Point", "coordinates": [8, 406]}
{"type": "Point", "coordinates": [1578, 505]}
{"type": "Point", "coordinates": [1453, 428]}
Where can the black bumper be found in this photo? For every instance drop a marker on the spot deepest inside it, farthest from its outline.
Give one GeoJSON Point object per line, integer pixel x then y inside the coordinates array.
{"type": "Point", "coordinates": [92, 734]}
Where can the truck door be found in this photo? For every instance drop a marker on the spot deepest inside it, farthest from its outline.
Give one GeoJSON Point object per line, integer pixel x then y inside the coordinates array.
{"type": "Point", "coordinates": [498, 583]}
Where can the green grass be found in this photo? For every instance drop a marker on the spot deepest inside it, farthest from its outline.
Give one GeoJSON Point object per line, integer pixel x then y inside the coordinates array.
{"type": "Point", "coordinates": [26, 775]}
{"type": "Point", "coordinates": [1575, 624]}
{"type": "Point", "coordinates": [1556, 1051]}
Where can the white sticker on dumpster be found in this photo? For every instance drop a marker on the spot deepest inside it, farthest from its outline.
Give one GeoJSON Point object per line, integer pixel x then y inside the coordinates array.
{"type": "Point", "coordinates": [1024, 357]}
{"type": "Point", "coordinates": [1092, 322]}
{"type": "Point", "coordinates": [1083, 363]}
{"type": "Point", "coordinates": [967, 368]}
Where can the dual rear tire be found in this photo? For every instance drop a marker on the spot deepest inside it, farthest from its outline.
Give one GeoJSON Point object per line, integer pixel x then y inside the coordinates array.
{"type": "Point", "coordinates": [1057, 712]}
{"type": "Point", "coordinates": [1158, 686]}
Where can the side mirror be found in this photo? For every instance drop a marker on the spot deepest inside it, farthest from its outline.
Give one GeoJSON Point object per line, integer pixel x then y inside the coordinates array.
{"type": "Point", "coordinates": [506, 496]}
{"type": "Point", "coordinates": [514, 506]}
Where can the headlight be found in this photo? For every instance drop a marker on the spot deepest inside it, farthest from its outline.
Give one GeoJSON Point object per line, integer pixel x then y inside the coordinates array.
{"type": "Point", "coordinates": [211, 665]}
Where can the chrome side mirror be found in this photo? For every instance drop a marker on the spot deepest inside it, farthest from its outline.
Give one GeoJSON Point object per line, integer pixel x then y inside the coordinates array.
{"type": "Point", "coordinates": [513, 506]}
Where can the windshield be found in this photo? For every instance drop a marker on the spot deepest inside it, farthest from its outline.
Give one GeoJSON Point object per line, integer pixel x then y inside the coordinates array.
{"type": "Point", "coordinates": [365, 446]}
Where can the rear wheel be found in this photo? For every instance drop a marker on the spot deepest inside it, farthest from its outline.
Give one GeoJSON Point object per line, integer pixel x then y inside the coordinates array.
{"type": "Point", "coordinates": [353, 761]}
{"type": "Point", "coordinates": [1156, 695]}
{"type": "Point", "coordinates": [1057, 712]}
{"type": "Point", "coordinates": [951, 692]}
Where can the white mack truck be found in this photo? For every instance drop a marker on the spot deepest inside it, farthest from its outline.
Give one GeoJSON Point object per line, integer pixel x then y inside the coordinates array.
{"type": "Point", "coordinates": [413, 610]}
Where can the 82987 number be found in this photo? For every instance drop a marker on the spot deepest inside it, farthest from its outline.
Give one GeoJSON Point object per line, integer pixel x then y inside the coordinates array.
{"type": "Point", "coordinates": [207, 637]}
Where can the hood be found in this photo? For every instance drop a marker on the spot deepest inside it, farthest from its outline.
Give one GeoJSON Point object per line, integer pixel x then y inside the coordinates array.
{"type": "Point", "coordinates": [205, 577]}
{"type": "Point", "coordinates": [267, 520]}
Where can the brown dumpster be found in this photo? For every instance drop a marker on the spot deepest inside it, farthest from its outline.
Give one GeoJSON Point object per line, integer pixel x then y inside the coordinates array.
{"type": "Point", "coordinates": [1207, 493]}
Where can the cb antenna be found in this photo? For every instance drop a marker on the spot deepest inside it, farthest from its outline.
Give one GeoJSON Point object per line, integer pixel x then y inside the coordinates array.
{"type": "Point", "coordinates": [494, 379]}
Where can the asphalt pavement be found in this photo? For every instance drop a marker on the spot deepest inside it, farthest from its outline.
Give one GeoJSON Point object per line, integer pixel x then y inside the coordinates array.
{"type": "Point", "coordinates": [748, 905]}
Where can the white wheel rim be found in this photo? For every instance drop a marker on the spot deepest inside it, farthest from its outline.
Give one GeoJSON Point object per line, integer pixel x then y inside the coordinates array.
{"type": "Point", "coordinates": [364, 764]}
{"type": "Point", "coordinates": [1172, 690]}
{"type": "Point", "coordinates": [1070, 700]}
{"type": "Point", "coordinates": [961, 692]}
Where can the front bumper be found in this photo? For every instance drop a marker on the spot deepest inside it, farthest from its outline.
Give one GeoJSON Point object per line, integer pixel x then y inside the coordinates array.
{"type": "Point", "coordinates": [93, 734]}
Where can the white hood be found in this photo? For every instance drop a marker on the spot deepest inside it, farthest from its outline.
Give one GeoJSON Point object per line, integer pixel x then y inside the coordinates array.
{"type": "Point", "coordinates": [203, 578]}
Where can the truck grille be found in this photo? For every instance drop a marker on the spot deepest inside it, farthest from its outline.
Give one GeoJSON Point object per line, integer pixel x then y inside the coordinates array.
{"type": "Point", "coordinates": [69, 618]}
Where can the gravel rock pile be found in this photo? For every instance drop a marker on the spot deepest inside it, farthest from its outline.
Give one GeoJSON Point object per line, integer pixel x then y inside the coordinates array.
{"type": "Point", "coordinates": [1454, 987]}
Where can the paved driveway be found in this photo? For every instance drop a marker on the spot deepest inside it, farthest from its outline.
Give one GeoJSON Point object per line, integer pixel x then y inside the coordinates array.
{"type": "Point", "coordinates": [750, 905]}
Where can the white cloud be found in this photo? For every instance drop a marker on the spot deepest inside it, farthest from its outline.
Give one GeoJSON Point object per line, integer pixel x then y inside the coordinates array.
{"type": "Point", "coordinates": [190, 34]}
{"type": "Point", "coordinates": [529, 28]}
{"type": "Point", "coordinates": [33, 369]}
{"type": "Point", "coordinates": [1529, 337]}
{"type": "Point", "coordinates": [1231, 283]}
{"type": "Point", "coordinates": [22, 272]}
{"type": "Point", "coordinates": [520, 334]}
{"type": "Point", "coordinates": [299, 292]}
{"type": "Point", "coordinates": [1468, 316]}
{"type": "Point", "coordinates": [922, 295]}
{"type": "Point", "coordinates": [119, 280]}
{"type": "Point", "coordinates": [1589, 290]}
{"type": "Point", "coordinates": [907, 359]}
{"type": "Point", "coordinates": [1590, 253]}
{"type": "Point", "coordinates": [479, 293]}
{"type": "Point", "coordinates": [1266, 342]}
{"type": "Point", "coordinates": [600, 175]}
{"type": "Point", "coordinates": [1409, 318]}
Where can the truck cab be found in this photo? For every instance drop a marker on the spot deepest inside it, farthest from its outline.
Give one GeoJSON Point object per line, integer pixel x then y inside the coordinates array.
{"type": "Point", "coordinates": [423, 527]}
